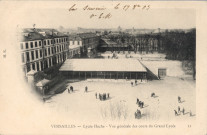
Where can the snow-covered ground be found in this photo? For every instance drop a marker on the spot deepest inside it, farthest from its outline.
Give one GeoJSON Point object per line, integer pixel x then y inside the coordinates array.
{"type": "Point", "coordinates": [122, 104]}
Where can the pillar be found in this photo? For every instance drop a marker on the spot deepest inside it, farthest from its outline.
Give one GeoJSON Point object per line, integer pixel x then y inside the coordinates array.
{"type": "Point", "coordinates": [51, 62]}
{"type": "Point", "coordinates": [48, 63]}
{"type": "Point", "coordinates": [40, 69]}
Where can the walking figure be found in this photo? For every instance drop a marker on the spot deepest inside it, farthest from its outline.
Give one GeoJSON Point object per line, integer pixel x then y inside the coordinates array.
{"type": "Point", "coordinates": [178, 109]}
{"type": "Point", "coordinates": [132, 83]}
{"type": "Point", "coordinates": [99, 96]}
{"type": "Point", "coordinates": [96, 95]}
{"type": "Point", "coordinates": [108, 95]}
{"type": "Point", "coordinates": [137, 101]}
{"type": "Point", "coordinates": [68, 90]}
{"type": "Point", "coordinates": [179, 99]}
{"type": "Point", "coordinates": [183, 111]}
{"type": "Point", "coordinates": [135, 82]}
{"type": "Point", "coordinates": [175, 113]}
{"type": "Point", "coordinates": [86, 89]}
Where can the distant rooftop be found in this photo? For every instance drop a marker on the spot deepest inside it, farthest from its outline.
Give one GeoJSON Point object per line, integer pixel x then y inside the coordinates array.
{"type": "Point", "coordinates": [81, 36]}
{"type": "Point", "coordinates": [30, 34]}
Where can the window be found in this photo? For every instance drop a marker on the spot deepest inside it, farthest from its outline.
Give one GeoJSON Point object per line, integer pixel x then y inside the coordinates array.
{"type": "Point", "coordinates": [37, 66]}
{"type": "Point", "coordinates": [48, 42]}
{"type": "Point", "coordinates": [21, 45]}
{"type": "Point", "coordinates": [45, 42]}
{"type": "Point", "coordinates": [60, 48]}
{"type": "Point", "coordinates": [52, 50]}
{"type": "Point", "coordinates": [36, 54]}
{"type": "Point", "coordinates": [48, 51]}
{"type": "Point", "coordinates": [54, 41]}
{"type": "Point", "coordinates": [78, 42]}
{"type": "Point", "coordinates": [162, 72]}
{"type": "Point", "coordinates": [27, 55]}
{"type": "Point", "coordinates": [26, 45]}
{"type": "Point", "coordinates": [32, 53]}
{"type": "Point", "coordinates": [31, 44]}
{"type": "Point", "coordinates": [59, 40]}
{"type": "Point", "coordinates": [40, 43]}
{"type": "Point", "coordinates": [35, 44]}
{"type": "Point", "coordinates": [23, 57]}
{"type": "Point", "coordinates": [33, 66]}
{"type": "Point", "coordinates": [55, 49]}
{"type": "Point", "coordinates": [45, 52]}
{"type": "Point", "coordinates": [40, 53]}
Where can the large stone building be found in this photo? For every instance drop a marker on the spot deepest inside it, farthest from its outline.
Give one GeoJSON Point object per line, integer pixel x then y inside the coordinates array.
{"type": "Point", "coordinates": [84, 44]}
{"type": "Point", "coordinates": [42, 48]}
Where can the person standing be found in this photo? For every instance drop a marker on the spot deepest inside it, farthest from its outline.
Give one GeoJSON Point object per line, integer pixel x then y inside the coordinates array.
{"type": "Point", "coordinates": [86, 89]}
{"type": "Point", "coordinates": [96, 95]}
{"type": "Point", "coordinates": [179, 99]}
{"type": "Point", "coordinates": [178, 109]}
{"type": "Point", "coordinates": [108, 95]}
{"type": "Point", "coordinates": [183, 111]}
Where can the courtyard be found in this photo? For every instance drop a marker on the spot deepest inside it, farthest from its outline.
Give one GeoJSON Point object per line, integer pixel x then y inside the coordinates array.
{"type": "Point", "coordinates": [121, 104]}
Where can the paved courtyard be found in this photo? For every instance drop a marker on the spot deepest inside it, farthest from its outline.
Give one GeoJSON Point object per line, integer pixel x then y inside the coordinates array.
{"type": "Point", "coordinates": [122, 102]}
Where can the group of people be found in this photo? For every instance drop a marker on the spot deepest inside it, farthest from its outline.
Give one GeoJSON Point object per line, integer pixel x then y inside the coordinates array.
{"type": "Point", "coordinates": [103, 96]}
{"type": "Point", "coordinates": [140, 103]}
{"type": "Point", "coordinates": [179, 111]}
{"type": "Point", "coordinates": [138, 112]}
{"type": "Point", "coordinates": [71, 89]}
{"type": "Point", "coordinates": [135, 82]}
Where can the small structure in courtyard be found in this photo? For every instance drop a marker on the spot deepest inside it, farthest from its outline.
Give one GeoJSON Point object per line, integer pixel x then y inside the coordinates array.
{"type": "Point", "coordinates": [103, 69]}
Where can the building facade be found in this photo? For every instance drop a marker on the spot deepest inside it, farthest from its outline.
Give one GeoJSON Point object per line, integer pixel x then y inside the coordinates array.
{"type": "Point", "coordinates": [42, 49]}
{"type": "Point", "coordinates": [83, 44]}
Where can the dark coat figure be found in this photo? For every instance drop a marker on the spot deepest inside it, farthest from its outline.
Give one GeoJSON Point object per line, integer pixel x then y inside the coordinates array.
{"type": "Point", "coordinates": [96, 95]}
{"type": "Point", "coordinates": [99, 95]}
{"type": "Point", "coordinates": [183, 111]}
{"type": "Point", "coordinates": [132, 83]}
{"type": "Point", "coordinates": [175, 113]}
{"type": "Point", "coordinates": [71, 88]}
{"type": "Point", "coordinates": [137, 101]}
{"type": "Point", "coordinates": [178, 109]}
{"type": "Point", "coordinates": [135, 82]}
{"type": "Point", "coordinates": [86, 89]}
{"type": "Point", "coordinates": [142, 104]}
{"type": "Point", "coordinates": [104, 96]}
{"type": "Point", "coordinates": [179, 99]}
{"type": "Point", "coordinates": [108, 95]}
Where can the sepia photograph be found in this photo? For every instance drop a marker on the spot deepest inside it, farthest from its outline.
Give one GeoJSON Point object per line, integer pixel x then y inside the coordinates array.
{"type": "Point", "coordinates": [85, 67]}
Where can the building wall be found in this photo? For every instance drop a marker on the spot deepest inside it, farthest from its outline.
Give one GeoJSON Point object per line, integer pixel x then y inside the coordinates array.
{"type": "Point", "coordinates": [41, 54]}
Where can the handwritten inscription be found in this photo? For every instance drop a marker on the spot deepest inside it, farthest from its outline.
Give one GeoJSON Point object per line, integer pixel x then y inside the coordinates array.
{"type": "Point", "coordinates": [106, 14]}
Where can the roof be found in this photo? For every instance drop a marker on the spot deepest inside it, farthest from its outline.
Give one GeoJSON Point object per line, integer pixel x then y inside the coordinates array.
{"type": "Point", "coordinates": [81, 36]}
{"type": "Point", "coordinates": [124, 65]}
{"type": "Point", "coordinates": [42, 83]}
{"type": "Point", "coordinates": [37, 34]}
